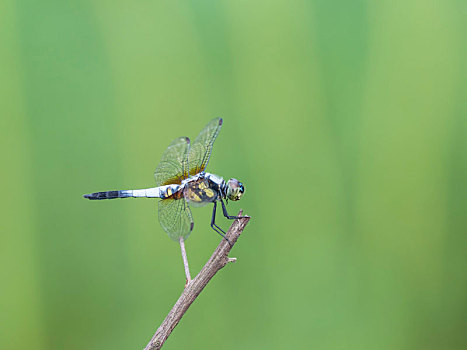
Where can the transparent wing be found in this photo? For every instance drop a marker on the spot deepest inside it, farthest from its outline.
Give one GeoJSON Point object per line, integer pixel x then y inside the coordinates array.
{"type": "Point", "coordinates": [201, 148]}
{"type": "Point", "coordinates": [173, 167]}
{"type": "Point", "coordinates": [175, 218]}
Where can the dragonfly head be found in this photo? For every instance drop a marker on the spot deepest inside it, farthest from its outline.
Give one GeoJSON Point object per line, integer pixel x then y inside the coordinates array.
{"type": "Point", "coordinates": [235, 190]}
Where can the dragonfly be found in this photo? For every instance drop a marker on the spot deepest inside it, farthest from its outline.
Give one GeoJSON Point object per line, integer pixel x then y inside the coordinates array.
{"type": "Point", "coordinates": [181, 183]}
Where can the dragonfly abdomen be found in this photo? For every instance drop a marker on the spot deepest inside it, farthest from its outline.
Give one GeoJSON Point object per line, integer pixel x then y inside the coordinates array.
{"type": "Point", "coordinates": [106, 195]}
{"type": "Point", "coordinates": [155, 192]}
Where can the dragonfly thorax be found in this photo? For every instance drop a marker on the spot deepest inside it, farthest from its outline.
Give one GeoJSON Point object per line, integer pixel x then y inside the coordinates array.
{"type": "Point", "coordinates": [203, 188]}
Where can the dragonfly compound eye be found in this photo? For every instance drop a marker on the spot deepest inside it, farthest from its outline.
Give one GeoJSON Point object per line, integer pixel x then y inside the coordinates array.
{"type": "Point", "coordinates": [235, 190]}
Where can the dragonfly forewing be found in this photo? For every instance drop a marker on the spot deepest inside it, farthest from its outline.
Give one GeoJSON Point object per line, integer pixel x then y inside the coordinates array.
{"type": "Point", "coordinates": [201, 148]}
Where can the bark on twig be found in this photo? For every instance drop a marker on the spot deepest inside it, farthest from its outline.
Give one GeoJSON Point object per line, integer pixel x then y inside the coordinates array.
{"type": "Point", "coordinates": [217, 261]}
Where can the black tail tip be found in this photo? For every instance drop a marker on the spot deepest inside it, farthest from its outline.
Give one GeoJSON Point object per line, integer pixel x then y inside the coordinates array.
{"type": "Point", "coordinates": [88, 196]}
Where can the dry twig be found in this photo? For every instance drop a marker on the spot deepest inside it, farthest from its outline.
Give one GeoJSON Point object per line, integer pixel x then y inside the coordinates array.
{"type": "Point", "coordinates": [217, 261]}
{"type": "Point", "coordinates": [185, 260]}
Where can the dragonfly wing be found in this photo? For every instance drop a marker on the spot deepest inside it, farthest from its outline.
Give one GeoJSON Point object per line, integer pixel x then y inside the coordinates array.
{"type": "Point", "coordinates": [175, 218]}
{"type": "Point", "coordinates": [173, 168]}
{"type": "Point", "coordinates": [200, 150]}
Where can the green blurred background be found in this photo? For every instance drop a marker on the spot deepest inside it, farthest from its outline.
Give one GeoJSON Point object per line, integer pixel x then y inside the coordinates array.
{"type": "Point", "coordinates": [346, 120]}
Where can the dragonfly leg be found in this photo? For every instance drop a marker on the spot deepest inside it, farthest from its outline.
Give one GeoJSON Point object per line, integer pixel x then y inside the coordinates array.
{"type": "Point", "coordinates": [215, 227]}
{"type": "Point", "coordinates": [226, 214]}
